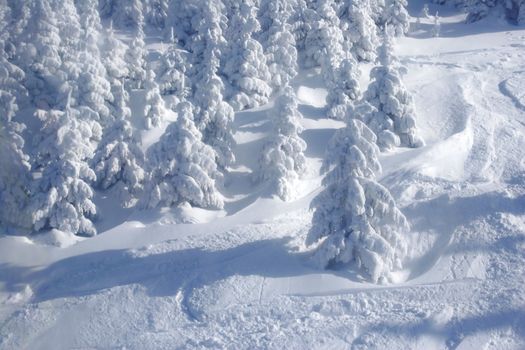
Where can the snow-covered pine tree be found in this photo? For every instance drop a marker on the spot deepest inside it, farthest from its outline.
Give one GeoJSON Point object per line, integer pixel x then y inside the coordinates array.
{"type": "Point", "coordinates": [154, 109]}
{"type": "Point", "coordinates": [93, 88]}
{"type": "Point", "coordinates": [359, 28]}
{"type": "Point", "coordinates": [63, 198]}
{"type": "Point", "coordinates": [386, 92]}
{"type": "Point", "coordinates": [324, 42]}
{"type": "Point", "coordinates": [38, 54]}
{"type": "Point", "coordinates": [245, 64]}
{"type": "Point", "coordinates": [214, 116]}
{"type": "Point", "coordinates": [15, 176]}
{"type": "Point", "coordinates": [377, 11]}
{"type": "Point", "coordinates": [136, 59]}
{"type": "Point", "coordinates": [437, 26]}
{"type": "Point", "coordinates": [302, 21]}
{"type": "Point", "coordinates": [173, 71]}
{"type": "Point", "coordinates": [118, 162]}
{"type": "Point", "coordinates": [397, 17]}
{"type": "Point", "coordinates": [343, 89]}
{"type": "Point", "coordinates": [282, 161]}
{"type": "Point", "coordinates": [356, 221]}
{"type": "Point", "coordinates": [281, 54]}
{"type": "Point", "coordinates": [156, 13]}
{"type": "Point", "coordinates": [183, 168]}
{"type": "Point", "coordinates": [113, 56]}
{"type": "Point", "coordinates": [338, 66]}
{"type": "Point", "coordinates": [123, 13]}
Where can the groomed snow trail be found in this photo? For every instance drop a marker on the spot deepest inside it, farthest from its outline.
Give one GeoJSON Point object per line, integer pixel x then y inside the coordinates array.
{"type": "Point", "coordinates": [241, 279]}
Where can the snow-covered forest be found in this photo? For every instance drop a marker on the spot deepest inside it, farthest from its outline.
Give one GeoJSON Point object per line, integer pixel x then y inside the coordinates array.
{"type": "Point", "coordinates": [247, 174]}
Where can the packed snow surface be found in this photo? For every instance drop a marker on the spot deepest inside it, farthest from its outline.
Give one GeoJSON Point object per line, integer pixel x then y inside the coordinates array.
{"type": "Point", "coordinates": [242, 279]}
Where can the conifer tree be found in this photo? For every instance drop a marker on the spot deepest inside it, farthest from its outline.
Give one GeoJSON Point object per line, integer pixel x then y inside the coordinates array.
{"type": "Point", "coordinates": [356, 222]}
{"type": "Point", "coordinates": [359, 28]}
{"type": "Point", "coordinates": [394, 120]}
{"type": "Point", "coordinates": [343, 88]}
{"type": "Point", "coordinates": [64, 197]}
{"type": "Point", "coordinates": [93, 88]}
{"type": "Point", "coordinates": [157, 13]}
{"type": "Point", "coordinates": [245, 66]}
{"type": "Point", "coordinates": [173, 72]}
{"type": "Point", "coordinates": [280, 44]}
{"type": "Point", "coordinates": [283, 161]}
{"type": "Point", "coordinates": [155, 109]}
{"type": "Point", "coordinates": [397, 17]}
{"type": "Point", "coordinates": [214, 116]}
{"type": "Point", "coordinates": [38, 54]}
{"type": "Point", "coordinates": [183, 168]}
{"type": "Point", "coordinates": [136, 59]}
{"type": "Point", "coordinates": [118, 161]}
{"type": "Point", "coordinates": [15, 177]}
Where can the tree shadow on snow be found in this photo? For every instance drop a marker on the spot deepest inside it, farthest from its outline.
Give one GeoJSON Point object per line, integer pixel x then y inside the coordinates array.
{"type": "Point", "coordinates": [453, 332]}
{"type": "Point", "coordinates": [163, 274]}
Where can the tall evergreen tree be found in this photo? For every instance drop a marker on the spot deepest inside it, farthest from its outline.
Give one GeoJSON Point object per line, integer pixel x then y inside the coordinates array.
{"type": "Point", "coordinates": [136, 59]}
{"type": "Point", "coordinates": [64, 197]}
{"type": "Point", "coordinates": [245, 65]}
{"type": "Point", "coordinates": [38, 54]}
{"type": "Point", "coordinates": [397, 17]}
{"type": "Point", "coordinates": [173, 71]}
{"type": "Point", "coordinates": [119, 161]}
{"type": "Point", "coordinates": [359, 28]}
{"type": "Point", "coordinates": [154, 109]}
{"type": "Point", "coordinates": [394, 106]}
{"type": "Point", "coordinates": [15, 177]}
{"type": "Point", "coordinates": [356, 222]}
{"type": "Point", "coordinates": [343, 89]}
{"type": "Point", "coordinates": [214, 116]}
{"type": "Point", "coordinates": [183, 168]}
{"type": "Point", "coordinates": [282, 161]}
{"type": "Point", "coordinates": [280, 44]}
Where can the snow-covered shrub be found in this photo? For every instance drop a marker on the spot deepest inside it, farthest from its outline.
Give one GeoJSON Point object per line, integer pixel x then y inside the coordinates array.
{"type": "Point", "coordinates": [154, 110]}
{"type": "Point", "coordinates": [356, 221]}
{"type": "Point", "coordinates": [394, 112]}
{"type": "Point", "coordinates": [282, 161]}
{"type": "Point", "coordinates": [183, 168]}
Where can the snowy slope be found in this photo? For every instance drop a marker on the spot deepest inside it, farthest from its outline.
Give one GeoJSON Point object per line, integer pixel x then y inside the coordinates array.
{"type": "Point", "coordinates": [241, 278]}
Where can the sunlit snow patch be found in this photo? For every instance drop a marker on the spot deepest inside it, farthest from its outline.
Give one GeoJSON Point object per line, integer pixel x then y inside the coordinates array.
{"type": "Point", "coordinates": [312, 96]}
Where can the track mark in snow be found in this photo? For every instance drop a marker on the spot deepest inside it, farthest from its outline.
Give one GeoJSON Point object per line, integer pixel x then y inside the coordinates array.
{"type": "Point", "coordinates": [261, 290]}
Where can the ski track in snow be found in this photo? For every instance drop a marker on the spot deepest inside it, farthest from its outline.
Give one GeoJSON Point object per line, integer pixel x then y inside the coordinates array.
{"type": "Point", "coordinates": [244, 281]}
